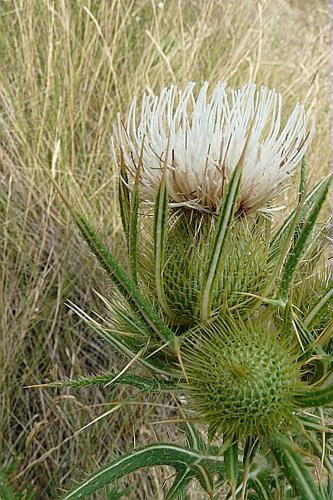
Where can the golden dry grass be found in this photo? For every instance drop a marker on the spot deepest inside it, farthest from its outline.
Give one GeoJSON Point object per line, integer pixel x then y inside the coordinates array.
{"type": "Point", "coordinates": [66, 68]}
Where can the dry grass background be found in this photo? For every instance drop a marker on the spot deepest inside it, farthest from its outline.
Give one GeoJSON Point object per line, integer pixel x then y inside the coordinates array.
{"type": "Point", "coordinates": [66, 68]}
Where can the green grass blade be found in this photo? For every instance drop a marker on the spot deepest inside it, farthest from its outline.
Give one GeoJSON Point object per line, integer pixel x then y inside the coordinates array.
{"type": "Point", "coordinates": [124, 197]}
{"type": "Point", "coordinates": [316, 397]}
{"type": "Point", "coordinates": [295, 469]}
{"type": "Point", "coordinates": [150, 456]}
{"type": "Point", "coordinates": [216, 257]}
{"type": "Point", "coordinates": [299, 246]}
{"type": "Point", "coordinates": [6, 492]}
{"type": "Point", "coordinates": [12, 490]}
{"type": "Point", "coordinates": [123, 282]}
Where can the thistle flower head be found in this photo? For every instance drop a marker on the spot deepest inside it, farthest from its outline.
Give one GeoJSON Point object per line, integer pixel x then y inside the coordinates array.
{"type": "Point", "coordinates": [200, 140]}
{"type": "Point", "coordinates": [241, 379]}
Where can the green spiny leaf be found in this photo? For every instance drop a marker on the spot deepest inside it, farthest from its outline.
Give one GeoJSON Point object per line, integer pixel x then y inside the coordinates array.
{"type": "Point", "coordinates": [308, 202]}
{"type": "Point", "coordinates": [184, 476]}
{"type": "Point", "coordinates": [150, 456]}
{"type": "Point", "coordinates": [160, 226]}
{"type": "Point", "coordinates": [315, 424]}
{"type": "Point", "coordinates": [316, 397]}
{"type": "Point", "coordinates": [124, 196]}
{"type": "Point", "coordinates": [303, 178]}
{"type": "Point", "coordinates": [204, 477]}
{"type": "Point", "coordinates": [144, 383]}
{"type": "Point", "coordinates": [299, 246]}
{"type": "Point", "coordinates": [193, 437]}
{"type": "Point", "coordinates": [326, 299]}
{"type": "Point", "coordinates": [134, 220]}
{"type": "Point", "coordinates": [110, 337]}
{"type": "Point", "coordinates": [123, 282]}
{"type": "Point", "coordinates": [294, 468]}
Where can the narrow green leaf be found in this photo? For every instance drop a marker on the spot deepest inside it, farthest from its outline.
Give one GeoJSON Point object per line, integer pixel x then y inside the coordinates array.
{"type": "Point", "coordinates": [303, 178]}
{"type": "Point", "coordinates": [148, 384]}
{"type": "Point", "coordinates": [150, 456]}
{"type": "Point", "coordinates": [326, 299]}
{"type": "Point", "coordinates": [250, 449]}
{"type": "Point", "coordinates": [305, 335]}
{"type": "Point", "coordinates": [308, 202]}
{"type": "Point", "coordinates": [295, 469]}
{"type": "Point", "coordinates": [263, 492]}
{"type": "Point", "coordinates": [160, 225]}
{"type": "Point", "coordinates": [316, 397]}
{"type": "Point", "coordinates": [279, 251]}
{"type": "Point", "coordinates": [184, 476]}
{"type": "Point", "coordinates": [315, 425]}
{"type": "Point", "coordinates": [133, 233]}
{"type": "Point", "coordinates": [123, 282]}
{"type": "Point", "coordinates": [322, 450]}
{"type": "Point", "coordinates": [193, 437]}
{"type": "Point", "coordinates": [298, 248]}
{"type": "Point", "coordinates": [134, 220]}
{"type": "Point", "coordinates": [108, 335]}
{"type": "Point", "coordinates": [231, 466]}
{"type": "Point", "coordinates": [287, 318]}
{"type": "Point", "coordinates": [124, 196]}
{"type": "Point", "coordinates": [204, 477]}
{"type": "Point", "coordinates": [216, 257]}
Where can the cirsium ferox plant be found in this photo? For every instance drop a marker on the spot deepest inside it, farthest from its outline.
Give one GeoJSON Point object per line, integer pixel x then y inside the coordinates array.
{"type": "Point", "coordinates": [221, 303]}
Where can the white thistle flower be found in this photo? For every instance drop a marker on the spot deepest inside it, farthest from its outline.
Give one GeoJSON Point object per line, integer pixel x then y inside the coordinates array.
{"type": "Point", "coordinates": [204, 139]}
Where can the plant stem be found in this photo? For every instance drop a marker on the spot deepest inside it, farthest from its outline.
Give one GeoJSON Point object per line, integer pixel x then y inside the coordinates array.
{"type": "Point", "coordinates": [245, 479]}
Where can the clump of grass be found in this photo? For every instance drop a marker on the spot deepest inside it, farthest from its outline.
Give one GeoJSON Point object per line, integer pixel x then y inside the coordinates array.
{"type": "Point", "coordinates": [66, 68]}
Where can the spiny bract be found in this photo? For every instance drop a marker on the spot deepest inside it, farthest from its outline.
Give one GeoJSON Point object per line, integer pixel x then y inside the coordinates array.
{"type": "Point", "coordinates": [189, 242]}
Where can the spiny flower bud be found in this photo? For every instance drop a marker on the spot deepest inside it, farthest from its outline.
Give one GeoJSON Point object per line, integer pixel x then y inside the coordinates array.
{"type": "Point", "coordinates": [241, 382]}
{"type": "Point", "coordinates": [189, 243]}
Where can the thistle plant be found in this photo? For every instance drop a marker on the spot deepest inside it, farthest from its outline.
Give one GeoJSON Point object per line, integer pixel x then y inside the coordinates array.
{"type": "Point", "coordinates": [221, 301]}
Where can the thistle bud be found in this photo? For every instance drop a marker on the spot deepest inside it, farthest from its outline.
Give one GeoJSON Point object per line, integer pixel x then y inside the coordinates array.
{"type": "Point", "coordinates": [241, 382]}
